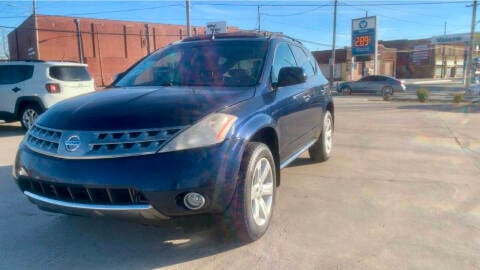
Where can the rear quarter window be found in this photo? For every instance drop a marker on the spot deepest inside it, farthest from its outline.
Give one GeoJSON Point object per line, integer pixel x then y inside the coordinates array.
{"type": "Point", "coordinates": [12, 74]}
{"type": "Point", "coordinates": [69, 73]}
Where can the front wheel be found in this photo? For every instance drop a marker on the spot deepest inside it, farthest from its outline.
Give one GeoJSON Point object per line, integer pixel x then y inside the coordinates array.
{"type": "Point", "coordinates": [387, 91]}
{"type": "Point", "coordinates": [322, 149]}
{"type": "Point", "coordinates": [28, 115]}
{"type": "Point", "coordinates": [250, 211]}
{"type": "Point", "coordinates": [346, 91]}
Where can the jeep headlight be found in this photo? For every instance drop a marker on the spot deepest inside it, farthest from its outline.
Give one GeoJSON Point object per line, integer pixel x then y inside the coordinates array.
{"type": "Point", "coordinates": [209, 131]}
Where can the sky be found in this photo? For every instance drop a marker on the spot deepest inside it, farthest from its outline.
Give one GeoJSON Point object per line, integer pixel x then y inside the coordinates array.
{"type": "Point", "coordinates": [309, 21]}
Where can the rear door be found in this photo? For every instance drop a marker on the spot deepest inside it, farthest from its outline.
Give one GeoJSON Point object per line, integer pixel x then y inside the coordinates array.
{"type": "Point", "coordinates": [379, 83]}
{"type": "Point", "coordinates": [12, 85]}
{"type": "Point", "coordinates": [74, 80]}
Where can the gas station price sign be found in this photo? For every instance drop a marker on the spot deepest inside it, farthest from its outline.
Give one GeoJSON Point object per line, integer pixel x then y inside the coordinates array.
{"type": "Point", "coordinates": [363, 36]}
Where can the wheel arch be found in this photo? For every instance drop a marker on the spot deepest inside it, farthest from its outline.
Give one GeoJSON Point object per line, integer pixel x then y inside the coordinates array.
{"type": "Point", "coordinates": [261, 128]}
{"type": "Point", "coordinates": [24, 101]}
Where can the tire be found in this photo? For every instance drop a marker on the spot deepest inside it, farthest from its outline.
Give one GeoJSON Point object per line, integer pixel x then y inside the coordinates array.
{"type": "Point", "coordinates": [346, 91]}
{"type": "Point", "coordinates": [387, 91]}
{"type": "Point", "coordinates": [244, 218]}
{"type": "Point", "coordinates": [322, 149]}
{"type": "Point", "coordinates": [28, 115]}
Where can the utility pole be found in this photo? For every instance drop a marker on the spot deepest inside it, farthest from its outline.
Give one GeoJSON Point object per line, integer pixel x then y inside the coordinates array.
{"type": "Point", "coordinates": [258, 17]}
{"type": "Point", "coordinates": [79, 40]}
{"type": "Point", "coordinates": [35, 26]}
{"type": "Point", "coordinates": [468, 67]}
{"type": "Point", "coordinates": [332, 64]}
{"type": "Point", "coordinates": [187, 6]}
{"type": "Point", "coordinates": [444, 59]}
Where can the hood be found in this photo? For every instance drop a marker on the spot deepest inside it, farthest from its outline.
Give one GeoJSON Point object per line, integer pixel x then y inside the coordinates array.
{"type": "Point", "coordinates": [140, 108]}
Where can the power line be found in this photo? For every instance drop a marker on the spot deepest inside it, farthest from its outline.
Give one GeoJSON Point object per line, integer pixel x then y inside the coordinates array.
{"type": "Point", "coordinates": [339, 4]}
{"type": "Point", "coordinates": [295, 14]}
{"type": "Point", "coordinates": [314, 42]}
{"type": "Point", "coordinates": [103, 12]}
{"type": "Point", "coordinates": [392, 18]}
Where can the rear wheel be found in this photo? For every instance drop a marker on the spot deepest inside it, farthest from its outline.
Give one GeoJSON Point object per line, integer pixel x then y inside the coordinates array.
{"type": "Point", "coordinates": [387, 91]}
{"type": "Point", "coordinates": [322, 148]}
{"type": "Point", "coordinates": [28, 115]}
{"type": "Point", "coordinates": [250, 211]}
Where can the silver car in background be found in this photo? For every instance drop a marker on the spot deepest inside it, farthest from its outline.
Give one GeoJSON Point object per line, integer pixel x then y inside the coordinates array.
{"type": "Point", "coordinates": [374, 84]}
{"type": "Point", "coordinates": [473, 90]}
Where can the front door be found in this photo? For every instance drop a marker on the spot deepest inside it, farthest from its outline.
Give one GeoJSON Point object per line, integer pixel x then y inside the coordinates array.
{"type": "Point", "coordinates": [290, 108]}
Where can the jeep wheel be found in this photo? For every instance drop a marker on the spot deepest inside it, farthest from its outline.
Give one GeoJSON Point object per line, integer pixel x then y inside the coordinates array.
{"type": "Point", "coordinates": [322, 148]}
{"type": "Point", "coordinates": [28, 115]}
{"type": "Point", "coordinates": [250, 211]}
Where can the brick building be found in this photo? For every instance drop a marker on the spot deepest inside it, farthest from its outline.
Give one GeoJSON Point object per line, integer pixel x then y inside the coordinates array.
{"type": "Point", "coordinates": [436, 57]}
{"type": "Point", "coordinates": [361, 66]}
{"type": "Point", "coordinates": [107, 46]}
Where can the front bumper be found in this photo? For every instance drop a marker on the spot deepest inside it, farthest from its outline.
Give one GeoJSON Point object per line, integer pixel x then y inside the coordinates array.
{"type": "Point", "coordinates": [162, 179]}
{"type": "Point", "coordinates": [126, 211]}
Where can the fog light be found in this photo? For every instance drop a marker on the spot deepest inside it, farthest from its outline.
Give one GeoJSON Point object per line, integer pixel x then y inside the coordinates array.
{"type": "Point", "coordinates": [194, 201]}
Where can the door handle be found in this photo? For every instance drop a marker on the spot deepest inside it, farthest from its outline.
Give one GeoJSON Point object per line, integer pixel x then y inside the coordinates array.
{"type": "Point", "coordinates": [16, 89]}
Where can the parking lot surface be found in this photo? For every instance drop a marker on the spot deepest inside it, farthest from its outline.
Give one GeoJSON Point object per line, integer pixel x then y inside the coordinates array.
{"type": "Point", "coordinates": [400, 192]}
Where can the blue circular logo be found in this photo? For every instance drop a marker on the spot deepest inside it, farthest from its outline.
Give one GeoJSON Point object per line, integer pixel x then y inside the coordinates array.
{"type": "Point", "coordinates": [72, 143]}
{"type": "Point", "coordinates": [363, 24]}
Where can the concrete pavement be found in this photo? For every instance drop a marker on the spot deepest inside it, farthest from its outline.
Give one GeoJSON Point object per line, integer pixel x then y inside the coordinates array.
{"type": "Point", "coordinates": [400, 192]}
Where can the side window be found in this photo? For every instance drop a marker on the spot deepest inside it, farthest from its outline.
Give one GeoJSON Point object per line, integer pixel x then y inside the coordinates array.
{"type": "Point", "coordinates": [11, 74]}
{"type": "Point", "coordinates": [303, 61]}
{"type": "Point", "coordinates": [366, 79]}
{"type": "Point", "coordinates": [283, 58]}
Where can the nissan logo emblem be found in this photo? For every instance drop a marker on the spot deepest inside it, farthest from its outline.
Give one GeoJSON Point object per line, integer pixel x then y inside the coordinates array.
{"type": "Point", "coordinates": [72, 143]}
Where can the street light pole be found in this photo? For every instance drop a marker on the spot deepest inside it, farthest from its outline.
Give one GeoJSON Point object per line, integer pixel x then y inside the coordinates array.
{"type": "Point", "coordinates": [332, 64]}
{"type": "Point", "coordinates": [258, 17]}
{"type": "Point", "coordinates": [468, 66]}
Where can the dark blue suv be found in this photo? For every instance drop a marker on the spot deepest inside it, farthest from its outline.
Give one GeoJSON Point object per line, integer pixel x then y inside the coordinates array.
{"type": "Point", "coordinates": [202, 126]}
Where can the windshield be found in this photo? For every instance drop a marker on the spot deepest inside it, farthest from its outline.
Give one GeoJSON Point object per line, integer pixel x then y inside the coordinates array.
{"type": "Point", "coordinates": [207, 63]}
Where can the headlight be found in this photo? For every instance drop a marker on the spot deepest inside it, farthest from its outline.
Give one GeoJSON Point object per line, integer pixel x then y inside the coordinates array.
{"type": "Point", "coordinates": [211, 130]}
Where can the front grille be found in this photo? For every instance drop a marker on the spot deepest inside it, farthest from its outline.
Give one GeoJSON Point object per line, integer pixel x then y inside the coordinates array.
{"type": "Point", "coordinates": [44, 139]}
{"type": "Point", "coordinates": [118, 143]}
{"type": "Point", "coordinates": [84, 194]}
{"type": "Point", "coordinates": [98, 144]}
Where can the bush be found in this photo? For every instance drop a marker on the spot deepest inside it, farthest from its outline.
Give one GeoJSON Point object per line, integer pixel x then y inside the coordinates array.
{"type": "Point", "coordinates": [457, 97]}
{"type": "Point", "coordinates": [423, 94]}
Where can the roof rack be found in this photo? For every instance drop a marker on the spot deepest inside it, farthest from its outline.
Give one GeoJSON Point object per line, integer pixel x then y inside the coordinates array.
{"type": "Point", "coordinates": [281, 35]}
{"type": "Point", "coordinates": [242, 34]}
{"type": "Point", "coordinates": [237, 34]}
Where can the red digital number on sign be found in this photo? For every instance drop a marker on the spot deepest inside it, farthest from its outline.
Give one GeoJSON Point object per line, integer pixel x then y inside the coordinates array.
{"type": "Point", "coordinates": [362, 41]}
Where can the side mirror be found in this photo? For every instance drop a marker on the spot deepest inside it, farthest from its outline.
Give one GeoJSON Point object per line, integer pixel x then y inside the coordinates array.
{"type": "Point", "coordinates": [290, 76]}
